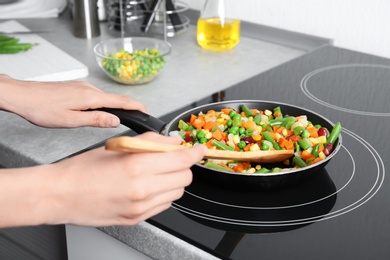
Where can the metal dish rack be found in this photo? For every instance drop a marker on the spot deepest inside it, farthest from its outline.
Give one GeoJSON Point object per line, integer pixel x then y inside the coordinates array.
{"type": "Point", "coordinates": [152, 18]}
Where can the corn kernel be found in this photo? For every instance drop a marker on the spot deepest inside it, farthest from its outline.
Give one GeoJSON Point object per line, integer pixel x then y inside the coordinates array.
{"type": "Point", "coordinates": [209, 135]}
{"type": "Point", "coordinates": [251, 170]}
{"type": "Point", "coordinates": [236, 139]}
{"type": "Point", "coordinates": [268, 112]}
{"type": "Point", "coordinates": [312, 140]}
{"type": "Point", "coordinates": [256, 137]}
{"type": "Point", "coordinates": [224, 116]}
{"type": "Point", "coordinates": [254, 148]}
{"type": "Point", "coordinates": [258, 167]}
{"type": "Point", "coordinates": [188, 145]}
{"type": "Point", "coordinates": [322, 139]}
{"type": "Point", "coordinates": [220, 120]}
{"type": "Point", "coordinates": [322, 155]}
{"type": "Point", "coordinates": [284, 132]}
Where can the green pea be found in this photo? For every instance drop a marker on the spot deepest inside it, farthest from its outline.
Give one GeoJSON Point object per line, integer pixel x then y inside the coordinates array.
{"type": "Point", "coordinates": [241, 144]}
{"type": "Point", "coordinates": [200, 134]}
{"type": "Point", "coordinates": [229, 123]}
{"type": "Point", "coordinates": [202, 140]}
{"type": "Point", "coordinates": [232, 113]}
{"type": "Point", "coordinates": [264, 146]}
{"type": "Point", "coordinates": [241, 130]}
{"type": "Point", "coordinates": [236, 117]}
{"type": "Point", "coordinates": [233, 130]}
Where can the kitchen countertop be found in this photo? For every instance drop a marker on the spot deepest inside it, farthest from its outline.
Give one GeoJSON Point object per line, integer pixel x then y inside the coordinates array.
{"type": "Point", "coordinates": [191, 74]}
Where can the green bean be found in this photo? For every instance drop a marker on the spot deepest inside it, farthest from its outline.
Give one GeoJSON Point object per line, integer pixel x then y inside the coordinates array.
{"type": "Point", "coordinates": [334, 134]}
{"type": "Point", "coordinates": [9, 42]}
{"type": "Point", "coordinates": [247, 112]}
{"type": "Point", "coordinates": [4, 38]}
{"type": "Point", "coordinates": [263, 170]}
{"type": "Point", "coordinates": [304, 143]}
{"type": "Point", "coordinates": [298, 130]}
{"type": "Point", "coordinates": [315, 150]}
{"type": "Point", "coordinates": [183, 125]}
{"type": "Point", "coordinates": [282, 121]}
{"type": "Point", "coordinates": [216, 166]}
{"type": "Point", "coordinates": [222, 146]}
{"type": "Point", "coordinates": [298, 161]}
{"type": "Point", "coordinates": [276, 169]}
{"type": "Point", "coordinates": [257, 118]}
{"type": "Point", "coordinates": [269, 138]}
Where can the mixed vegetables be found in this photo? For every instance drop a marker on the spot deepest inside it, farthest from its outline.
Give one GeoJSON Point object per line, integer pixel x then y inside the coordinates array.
{"type": "Point", "coordinates": [11, 45]}
{"type": "Point", "coordinates": [253, 130]}
{"type": "Point", "coordinates": [137, 67]}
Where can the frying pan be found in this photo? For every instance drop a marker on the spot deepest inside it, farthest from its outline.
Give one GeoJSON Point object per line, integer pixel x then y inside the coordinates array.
{"type": "Point", "coordinates": [141, 122]}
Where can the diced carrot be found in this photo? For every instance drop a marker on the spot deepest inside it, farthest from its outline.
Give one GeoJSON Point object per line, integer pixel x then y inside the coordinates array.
{"type": "Point", "coordinates": [188, 133]}
{"type": "Point", "coordinates": [248, 147]}
{"type": "Point", "coordinates": [198, 123]}
{"type": "Point", "coordinates": [192, 118]}
{"type": "Point", "coordinates": [226, 110]}
{"type": "Point", "coordinates": [313, 131]}
{"type": "Point", "coordinates": [250, 125]}
{"type": "Point", "coordinates": [209, 125]}
{"type": "Point", "coordinates": [316, 160]}
{"type": "Point", "coordinates": [294, 138]}
{"type": "Point", "coordinates": [218, 135]}
{"type": "Point", "coordinates": [210, 112]}
{"type": "Point", "coordinates": [288, 144]}
{"type": "Point", "coordinates": [241, 167]}
{"type": "Point", "coordinates": [306, 155]}
{"type": "Point", "coordinates": [209, 144]}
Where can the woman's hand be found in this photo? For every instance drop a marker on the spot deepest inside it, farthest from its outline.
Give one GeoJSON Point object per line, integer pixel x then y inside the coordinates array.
{"type": "Point", "coordinates": [102, 187]}
{"type": "Point", "coordinates": [62, 104]}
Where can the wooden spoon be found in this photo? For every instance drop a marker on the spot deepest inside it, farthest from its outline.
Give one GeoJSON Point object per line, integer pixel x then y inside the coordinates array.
{"type": "Point", "coordinates": [136, 145]}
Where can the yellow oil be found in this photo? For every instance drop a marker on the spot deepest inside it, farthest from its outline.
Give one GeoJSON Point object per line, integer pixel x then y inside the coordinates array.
{"type": "Point", "coordinates": [213, 34]}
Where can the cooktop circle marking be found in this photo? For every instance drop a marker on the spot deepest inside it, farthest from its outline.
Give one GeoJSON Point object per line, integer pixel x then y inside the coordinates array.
{"type": "Point", "coordinates": [305, 90]}
{"type": "Point", "coordinates": [372, 191]}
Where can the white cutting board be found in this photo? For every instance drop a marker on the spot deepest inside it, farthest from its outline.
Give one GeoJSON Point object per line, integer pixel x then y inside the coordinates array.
{"type": "Point", "coordinates": [44, 62]}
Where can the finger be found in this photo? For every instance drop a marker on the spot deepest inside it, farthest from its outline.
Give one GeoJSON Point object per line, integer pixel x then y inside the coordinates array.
{"type": "Point", "coordinates": [125, 220]}
{"type": "Point", "coordinates": [90, 118]}
{"type": "Point", "coordinates": [161, 138]}
{"type": "Point", "coordinates": [166, 162]}
{"type": "Point", "coordinates": [148, 208]}
{"type": "Point", "coordinates": [147, 187]}
{"type": "Point", "coordinates": [115, 101]}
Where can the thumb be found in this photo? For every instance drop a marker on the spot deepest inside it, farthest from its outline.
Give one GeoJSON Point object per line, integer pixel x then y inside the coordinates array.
{"type": "Point", "coordinates": [95, 119]}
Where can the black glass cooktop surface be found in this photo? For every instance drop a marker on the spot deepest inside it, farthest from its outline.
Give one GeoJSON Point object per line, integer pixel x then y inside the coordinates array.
{"type": "Point", "coordinates": [343, 211]}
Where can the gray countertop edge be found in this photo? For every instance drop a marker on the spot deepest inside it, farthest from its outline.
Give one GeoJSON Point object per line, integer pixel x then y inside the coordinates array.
{"type": "Point", "coordinates": [156, 243]}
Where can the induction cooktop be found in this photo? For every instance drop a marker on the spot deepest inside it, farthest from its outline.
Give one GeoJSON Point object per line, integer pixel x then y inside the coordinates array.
{"type": "Point", "coordinates": [343, 211]}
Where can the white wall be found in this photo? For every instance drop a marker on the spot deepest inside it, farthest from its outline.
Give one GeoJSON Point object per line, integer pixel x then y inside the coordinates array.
{"type": "Point", "coordinates": [361, 25]}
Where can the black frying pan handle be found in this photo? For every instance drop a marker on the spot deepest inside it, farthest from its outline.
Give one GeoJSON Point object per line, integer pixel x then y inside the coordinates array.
{"type": "Point", "coordinates": [136, 120]}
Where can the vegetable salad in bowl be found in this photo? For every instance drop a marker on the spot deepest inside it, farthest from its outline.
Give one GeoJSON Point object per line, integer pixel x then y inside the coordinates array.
{"type": "Point", "coordinates": [249, 129]}
{"type": "Point", "coordinates": [132, 61]}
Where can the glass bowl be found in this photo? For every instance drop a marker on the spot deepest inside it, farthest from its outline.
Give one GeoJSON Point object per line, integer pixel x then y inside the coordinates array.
{"type": "Point", "coordinates": [133, 60]}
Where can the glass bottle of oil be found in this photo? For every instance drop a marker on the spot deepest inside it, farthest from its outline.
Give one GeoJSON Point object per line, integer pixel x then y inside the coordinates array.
{"type": "Point", "coordinates": [215, 31]}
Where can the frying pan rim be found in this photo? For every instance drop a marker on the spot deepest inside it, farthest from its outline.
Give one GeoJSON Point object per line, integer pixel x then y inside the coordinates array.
{"type": "Point", "coordinates": [242, 101]}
